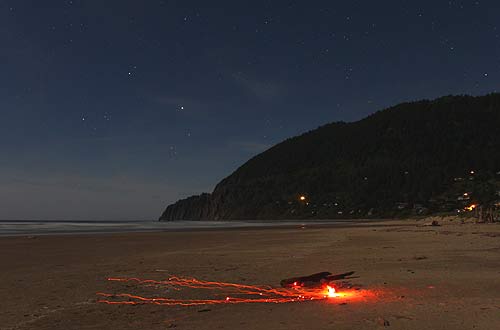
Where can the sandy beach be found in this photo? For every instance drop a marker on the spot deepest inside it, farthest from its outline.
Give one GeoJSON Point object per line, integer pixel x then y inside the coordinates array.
{"type": "Point", "coordinates": [412, 276]}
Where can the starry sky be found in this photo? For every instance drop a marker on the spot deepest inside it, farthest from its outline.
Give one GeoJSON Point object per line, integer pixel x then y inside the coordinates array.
{"type": "Point", "coordinates": [110, 110]}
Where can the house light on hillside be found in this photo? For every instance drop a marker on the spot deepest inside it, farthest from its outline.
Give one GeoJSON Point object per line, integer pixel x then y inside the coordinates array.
{"type": "Point", "coordinates": [465, 196]}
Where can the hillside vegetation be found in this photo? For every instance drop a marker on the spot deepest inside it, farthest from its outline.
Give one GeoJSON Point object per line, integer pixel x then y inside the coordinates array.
{"type": "Point", "coordinates": [413, 158]}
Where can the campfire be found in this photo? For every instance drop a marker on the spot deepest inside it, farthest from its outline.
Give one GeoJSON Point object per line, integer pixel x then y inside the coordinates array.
{"type": "Point", "coordinates": [320, 286]}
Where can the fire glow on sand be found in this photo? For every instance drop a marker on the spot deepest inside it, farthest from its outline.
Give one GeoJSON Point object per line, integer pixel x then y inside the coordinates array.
{"type": "Point", "coordinates": [225, 293]}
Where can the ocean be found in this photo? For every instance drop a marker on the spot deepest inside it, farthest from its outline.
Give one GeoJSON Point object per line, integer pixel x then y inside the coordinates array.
{"type": "Point", "coordinates": [30, 228]}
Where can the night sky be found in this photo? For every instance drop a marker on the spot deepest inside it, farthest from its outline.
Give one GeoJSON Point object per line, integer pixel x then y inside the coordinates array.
{"type": "Point", "coordinates": [110, 110]}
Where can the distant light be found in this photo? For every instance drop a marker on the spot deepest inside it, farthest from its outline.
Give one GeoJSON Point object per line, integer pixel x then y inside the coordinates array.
{"type": "Point", "coordinates": [471, 172]}
{"type": "Point", "coordinates": [302, 198]}
{"type": "Point", "coordinates": [470, 208]}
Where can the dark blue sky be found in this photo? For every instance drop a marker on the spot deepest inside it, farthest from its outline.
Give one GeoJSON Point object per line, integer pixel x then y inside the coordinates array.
{"type": "Point", "coordinates": [113, 109]}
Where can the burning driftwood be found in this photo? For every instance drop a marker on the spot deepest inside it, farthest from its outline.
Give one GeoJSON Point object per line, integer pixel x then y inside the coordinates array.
{"type": "Point", "coordinates": [314, 280]}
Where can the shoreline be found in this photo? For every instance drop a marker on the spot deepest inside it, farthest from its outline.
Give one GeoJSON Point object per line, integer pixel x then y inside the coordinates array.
{"type": "Point", "coordinates": [79, 228]}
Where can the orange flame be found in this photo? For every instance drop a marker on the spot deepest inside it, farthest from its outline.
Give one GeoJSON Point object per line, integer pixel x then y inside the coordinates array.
{"type": "Point", "coordinates": [331, 292]}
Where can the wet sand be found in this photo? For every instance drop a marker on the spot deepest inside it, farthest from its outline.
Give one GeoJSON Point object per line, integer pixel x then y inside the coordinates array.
{"type": "Point", "coordinates": [412, 277]}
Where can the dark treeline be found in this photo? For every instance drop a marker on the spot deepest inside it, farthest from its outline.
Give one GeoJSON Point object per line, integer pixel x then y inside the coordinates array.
{"type": "Point", "coordinates": [415, 158]}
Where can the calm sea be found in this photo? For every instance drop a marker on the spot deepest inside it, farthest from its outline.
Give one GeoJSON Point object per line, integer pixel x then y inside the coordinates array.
{"type": "Point", "coordinates": [21, 228]}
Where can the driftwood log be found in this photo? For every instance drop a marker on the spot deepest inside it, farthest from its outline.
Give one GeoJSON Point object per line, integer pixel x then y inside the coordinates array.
{"type": "Point", "coordinates": [314, 279]}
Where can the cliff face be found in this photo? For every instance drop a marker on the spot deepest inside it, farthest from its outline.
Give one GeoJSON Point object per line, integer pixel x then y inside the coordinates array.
{"type": "Point", "coordinates": [202, 207]}
{"type": "Point", "coordinates": [191, 208]}
{"type": "Point", "coordinates": [414, 156]}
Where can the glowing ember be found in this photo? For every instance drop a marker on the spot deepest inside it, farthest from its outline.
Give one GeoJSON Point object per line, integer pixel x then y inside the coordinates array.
{"type": "Point", "coordinates": [229, 293]}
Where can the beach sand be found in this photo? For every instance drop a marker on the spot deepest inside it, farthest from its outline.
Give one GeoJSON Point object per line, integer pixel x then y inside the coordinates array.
{"type": "Point", "coordinates": [412, 276]}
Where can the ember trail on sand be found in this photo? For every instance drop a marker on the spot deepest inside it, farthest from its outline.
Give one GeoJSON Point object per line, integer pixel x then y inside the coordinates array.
{"type": "Point", "coordinates": [320, 286]}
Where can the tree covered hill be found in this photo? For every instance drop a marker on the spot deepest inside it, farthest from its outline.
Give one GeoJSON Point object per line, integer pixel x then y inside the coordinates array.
{"type": "Point", "coordinates": [417, 157]}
